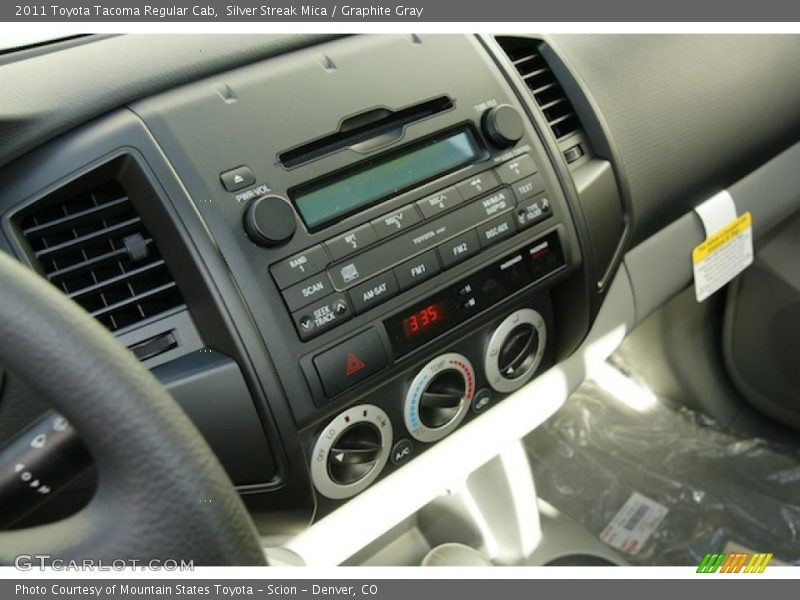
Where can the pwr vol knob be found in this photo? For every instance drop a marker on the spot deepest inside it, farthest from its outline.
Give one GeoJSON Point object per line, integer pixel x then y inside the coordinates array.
{"type": "Point", "coordinates": [439, 397]}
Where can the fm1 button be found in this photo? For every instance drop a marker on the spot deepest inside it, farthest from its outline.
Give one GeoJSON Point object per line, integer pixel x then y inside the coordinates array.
{"type": "Point", "coordinates": [401, 452]}
{"type": "Point", "coordinates": [352, 361]}
{"type": "Point", "coordinates": [481, 401]}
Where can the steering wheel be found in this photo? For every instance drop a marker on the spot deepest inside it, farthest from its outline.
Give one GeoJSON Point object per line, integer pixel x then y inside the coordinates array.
{"type": "Point", "coordinates": [161, 493]}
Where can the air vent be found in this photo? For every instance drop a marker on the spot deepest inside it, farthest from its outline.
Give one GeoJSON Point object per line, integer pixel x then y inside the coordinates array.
{"type": "Point", "coordinates": [525, 54]}
{"type": "Point", "coordinates": [94, 247]}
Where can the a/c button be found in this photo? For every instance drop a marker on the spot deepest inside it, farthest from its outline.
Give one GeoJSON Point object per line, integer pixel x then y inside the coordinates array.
{"type": "Point", "coordinates": [352, 361]}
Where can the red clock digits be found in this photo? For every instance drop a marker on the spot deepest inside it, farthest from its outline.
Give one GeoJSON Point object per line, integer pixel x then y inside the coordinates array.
{"type": "Point", "coordinates": [422, 320]}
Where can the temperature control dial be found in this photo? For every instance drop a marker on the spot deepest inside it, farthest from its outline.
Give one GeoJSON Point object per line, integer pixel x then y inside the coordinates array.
{"type": "Point", "coordinates": [351, 451]}
{"type": "Point", "coordinates": [515, 350]}
{"type": "Point", "coordinates": [439, 397]}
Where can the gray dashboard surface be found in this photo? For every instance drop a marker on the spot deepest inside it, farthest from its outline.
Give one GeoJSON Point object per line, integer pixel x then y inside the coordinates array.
{"type": "Point", "coordinates": [48, 94]}
{"type": "Point", "coordinates": [689, 114]}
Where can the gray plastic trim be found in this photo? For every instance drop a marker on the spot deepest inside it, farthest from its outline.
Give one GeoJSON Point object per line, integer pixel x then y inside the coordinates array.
{"type": "Point", "coordinates": [661, 266]}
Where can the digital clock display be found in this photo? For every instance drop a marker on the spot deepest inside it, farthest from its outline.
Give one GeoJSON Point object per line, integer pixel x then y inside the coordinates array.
{"type": "Point", "coordinates": [424, 319]}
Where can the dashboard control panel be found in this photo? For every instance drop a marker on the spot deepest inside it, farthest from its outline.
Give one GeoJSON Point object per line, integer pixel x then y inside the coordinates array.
{"type": "Point", "coordinates": [380, 232]}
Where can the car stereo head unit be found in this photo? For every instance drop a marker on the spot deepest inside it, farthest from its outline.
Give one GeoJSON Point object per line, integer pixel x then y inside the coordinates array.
{"type": "Point", "coordinates": [330, 199]}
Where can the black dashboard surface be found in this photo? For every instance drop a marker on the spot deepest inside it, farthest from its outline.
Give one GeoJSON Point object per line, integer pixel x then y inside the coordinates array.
{"type": "Point", "coordinates": [689, 114]}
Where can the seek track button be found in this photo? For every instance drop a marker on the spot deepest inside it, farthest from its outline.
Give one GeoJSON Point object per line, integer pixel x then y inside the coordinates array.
{"type": "Point", "coordinates": [350, 362]}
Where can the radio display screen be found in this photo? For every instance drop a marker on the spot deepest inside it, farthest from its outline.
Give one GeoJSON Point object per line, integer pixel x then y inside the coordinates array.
{"type": "Point", "coordinates": [333, 201]}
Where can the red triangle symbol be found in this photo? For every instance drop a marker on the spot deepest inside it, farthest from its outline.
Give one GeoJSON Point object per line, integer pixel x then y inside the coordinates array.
{"type": "Point", "coordinates": [354, 364]}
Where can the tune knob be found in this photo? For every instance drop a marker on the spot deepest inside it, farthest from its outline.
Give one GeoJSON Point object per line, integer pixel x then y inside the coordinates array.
{"type": "Point", "coordinates": [269, 221]}
{"type": "Point", "coordinates": [503, 125]}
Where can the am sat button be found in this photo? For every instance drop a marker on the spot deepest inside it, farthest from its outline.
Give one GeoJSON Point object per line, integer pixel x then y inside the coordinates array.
{"type": "Point", "coordinates": [352, 361]}
{"type": "Point", "coordinates": [373, 291]}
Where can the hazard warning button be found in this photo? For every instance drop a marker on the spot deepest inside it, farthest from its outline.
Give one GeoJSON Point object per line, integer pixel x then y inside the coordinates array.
{"type": "Point", "coordinates": [351, 361]}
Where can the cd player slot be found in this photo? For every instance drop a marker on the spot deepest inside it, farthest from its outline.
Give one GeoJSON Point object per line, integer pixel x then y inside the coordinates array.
{"type": "Point", "coordinates": [366, 131]}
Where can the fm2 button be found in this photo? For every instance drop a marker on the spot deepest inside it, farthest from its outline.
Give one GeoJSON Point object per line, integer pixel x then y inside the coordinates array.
{"type": "Point", "coordinates": [350, 362]}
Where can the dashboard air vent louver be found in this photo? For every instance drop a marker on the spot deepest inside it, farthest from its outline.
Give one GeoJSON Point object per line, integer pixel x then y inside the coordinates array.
{"type": "Point", "coordinates": [525, 54]}
{"type": "Point", "coordinates": [95, 248]}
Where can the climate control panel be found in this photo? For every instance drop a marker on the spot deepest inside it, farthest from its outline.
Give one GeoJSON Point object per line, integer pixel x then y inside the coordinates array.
{"type": "Point", "coordinates": [407, 415]}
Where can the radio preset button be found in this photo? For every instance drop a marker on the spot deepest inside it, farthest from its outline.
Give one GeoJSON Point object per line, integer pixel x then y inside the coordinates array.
{"type": "Point", "coordinates": [296, 268]}
{"type": "Point", "coordinates": [305, 292]}
{"type": "Point", "coordinates": [496, 230]}
{"type": "Point", "coordinates": [439, 202]}
{"type": "Point", "coordinates": [491, 206]}
{"type": "Point", "coordinates": [395, 221]}
{"type": "Point", "coordinates": [351, 361]}
{"type": "Point", "coordinates": [373, 292]}
{"type": "Point", "coordinates": [459, 248]}
{"type": "Point", "coordinates": [367, 264]}
{"type": "Point", "coordinates": [533, 211]}
{"type": "Point", "coordinates": [477, 185]}
{"type": "Point", "coordinates": [352, 241]}
{"type": "Point", "coordinates": [322, 316]}
{"type": "Point", "coordinates": [516, 169]}
{"type": "Point", "coordinates": [417, 270]}
{"type": "Point", "coordinates": [528, 187]}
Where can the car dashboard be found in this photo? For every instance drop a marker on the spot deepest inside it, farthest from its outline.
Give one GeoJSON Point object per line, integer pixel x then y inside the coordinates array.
{"type": "Point", "coordinates": [340, 253]}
